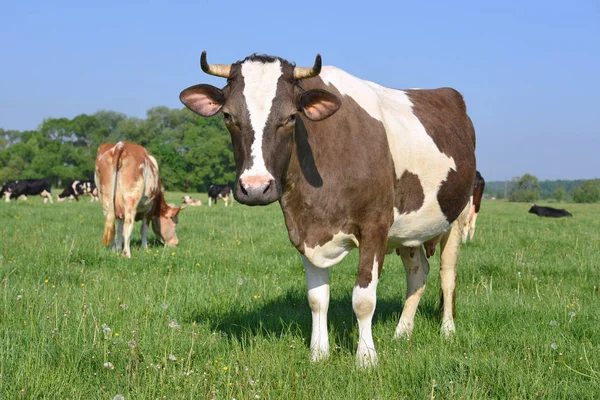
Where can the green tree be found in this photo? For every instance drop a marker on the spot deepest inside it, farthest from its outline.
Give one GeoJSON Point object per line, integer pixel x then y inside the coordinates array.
{"type": "Point", "coordinates": [560, 193]}
{"type": "Point", "coordinates": [588, 192]}
{"type": "Point", "coordinates": [525, 189]}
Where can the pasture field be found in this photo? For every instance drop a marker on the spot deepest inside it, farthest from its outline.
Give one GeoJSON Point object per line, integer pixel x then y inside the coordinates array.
{"type": "Point", "coordinates": [225, 314]}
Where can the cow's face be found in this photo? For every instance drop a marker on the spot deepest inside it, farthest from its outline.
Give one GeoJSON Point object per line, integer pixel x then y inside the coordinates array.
{"type": "Point", "coordinates": [164, 225]}
{"type": "Point", "coordinates": [260, 106]}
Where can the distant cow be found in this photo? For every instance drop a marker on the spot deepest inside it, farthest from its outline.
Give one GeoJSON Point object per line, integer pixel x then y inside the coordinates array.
{"type": "Point", "coordinates": [27, 187]}
{"type": "Point", "coordinates": [6, 190]}
{"type": "Point", "coordinates": [353, 165]}
{"type": "Point", "coordinates": [129, 185]}
{"type": "Point", "coordinates": [549, 212]}
{"type": "Point", "coordinates": [219, 192]}
{"type": "Point", "coordinates": [187, 200]}
{"type": "Point", "coordinates": [469, 227]}
{"type": "Point", "coordinates": [79, 188]}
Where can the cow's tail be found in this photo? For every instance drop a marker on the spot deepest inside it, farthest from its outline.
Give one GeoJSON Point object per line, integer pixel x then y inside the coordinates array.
{"type": "Point", "coordinates": [107, 166]}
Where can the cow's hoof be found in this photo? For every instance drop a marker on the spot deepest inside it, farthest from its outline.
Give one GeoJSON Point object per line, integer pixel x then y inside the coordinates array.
{"type": "Point", "coordinates": [318, 355]}
{"type": "Point", "coordinates": [404, 330]}
{"type": "Point", "coordinates": [448, 329]}
{"type": "Point", "coordinates": [366, 357]}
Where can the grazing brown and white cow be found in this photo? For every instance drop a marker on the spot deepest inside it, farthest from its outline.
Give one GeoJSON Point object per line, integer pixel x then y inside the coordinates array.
{"type": "Point", "coordinates": [353, 164]}
{"type": "Point", "coordinates": [130, 189]}
{"type": "Point", "coordinates": [469, 228]}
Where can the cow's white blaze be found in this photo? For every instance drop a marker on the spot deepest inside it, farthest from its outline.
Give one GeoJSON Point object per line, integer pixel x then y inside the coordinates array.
{"type": "Point", "coordinates": [332, 252]}
{"type": "Point", "coordinates": [260, 88]}
{"type": "Point", "coordinates": [363, 302]}
{"type": "Point", "coordinates": [412, 150]}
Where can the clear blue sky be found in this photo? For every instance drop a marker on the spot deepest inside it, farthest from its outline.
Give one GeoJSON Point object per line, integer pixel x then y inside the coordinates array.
{"type": "Point", "coordinates": [529, 70]}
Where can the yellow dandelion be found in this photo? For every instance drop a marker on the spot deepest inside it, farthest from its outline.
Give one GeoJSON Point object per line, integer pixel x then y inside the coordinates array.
{"type": "Point", "coordinates": [24, 323]}
{"type": "Point", "coordinates": [225, 368]}
{"type": "Point", "coordinates": [116, 335]}
{"type": "Point", "coordinates": [378, 340]}
{"type": "Point", "coordinates": [172, 254]}
{"type": "Point", "coordinates": [46, 281]}
{"type": "Point", "coordinates": [351, 334]}
{"type": "Point", "coordinates": [83, 284]}
{"type": "Point", "coordinates": [53, 286]}
{"type": "Point", "coordinates": [198, 264]}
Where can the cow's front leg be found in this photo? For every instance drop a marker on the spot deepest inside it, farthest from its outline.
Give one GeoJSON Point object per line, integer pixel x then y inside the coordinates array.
{"type": "Point", "coordinates": [364, 300]}
{"type": "Point", "coordinates": [317, 280]}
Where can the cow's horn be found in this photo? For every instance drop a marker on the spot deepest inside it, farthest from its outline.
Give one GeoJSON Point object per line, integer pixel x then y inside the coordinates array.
{"type": "Point", "coordinates": [221, 70]}
{"type": "Point", "coordinates": [304, 72]}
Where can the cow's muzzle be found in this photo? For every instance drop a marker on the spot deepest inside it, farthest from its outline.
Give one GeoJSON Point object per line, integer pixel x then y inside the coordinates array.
{"type": "Point", "coordinates": [256, 191]}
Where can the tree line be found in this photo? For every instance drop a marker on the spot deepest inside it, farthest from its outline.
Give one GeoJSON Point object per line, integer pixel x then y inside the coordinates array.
{"type": "Point", "coordinates": [193, 152]}
{"type": "Point", "coordinates": [528, 188]}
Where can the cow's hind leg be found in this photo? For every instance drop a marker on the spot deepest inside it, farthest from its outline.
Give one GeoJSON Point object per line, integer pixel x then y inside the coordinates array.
{"type": "Point", "coordinates": [118, 245]}
{"type": "Point", "coordinates": [472, 226]}
{"type": "Point", "coordinates": [144, 233]}
{"type": "Point", "coordinates": [450, 245]}
{"type": "Point", "coordinates": [47, 196]}
{"type": "Point", "coordinates": [364, 295]}
{"type": "Point", "coordinates": [417, 269]}
{"type": "Point", "coordinates": [450, 248]}
{"type": "Point", "coordinates": [317, 280]}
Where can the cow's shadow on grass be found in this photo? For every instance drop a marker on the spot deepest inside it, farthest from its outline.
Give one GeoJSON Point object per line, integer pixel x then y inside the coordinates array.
{"type": "Point", "coordinates": [290, 313]}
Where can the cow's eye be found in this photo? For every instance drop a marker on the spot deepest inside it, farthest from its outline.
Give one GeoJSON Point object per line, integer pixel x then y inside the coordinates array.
{"type": "Point", "coordinates": [291, 119]}
{"type": "Point", "coordinates": [227, 117]}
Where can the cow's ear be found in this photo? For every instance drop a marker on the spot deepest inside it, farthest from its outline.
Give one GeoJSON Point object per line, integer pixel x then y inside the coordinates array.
{"type": "Point", "coordinates": [205, 100]}
{"type": "Point", "coordinates": [318, 104]}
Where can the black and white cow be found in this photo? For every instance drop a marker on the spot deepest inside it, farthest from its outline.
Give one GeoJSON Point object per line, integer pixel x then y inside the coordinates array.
{"type": "Point", "coordinates": [550, 212]}
{"type": "Point", "coordinates": [79, 188]}
{"type": "Point", "coordinates": [219, 192]}
{"type": "Point", "coordinates": [27, 187]}
{"type": "Point", "coordinates": [353, 165]}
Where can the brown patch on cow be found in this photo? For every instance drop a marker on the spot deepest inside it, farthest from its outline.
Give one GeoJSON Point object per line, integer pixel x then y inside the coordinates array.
{"type": "Point", "coordinates": [409, 193]}
{"type": "Point", "coordinates": [443, 114]}
{"type": "Point", "coordinates": [415, 269]}
{"type": "Point", "coordinates": [323, 187]}
{"type": "Point", "coordinates": [364, 278]}
{"type": "Point", "coordinates": [449, 198]}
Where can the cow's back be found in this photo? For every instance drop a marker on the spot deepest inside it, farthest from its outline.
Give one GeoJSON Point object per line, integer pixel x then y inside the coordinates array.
{"type": "Point", "coordinates": [137, 180]}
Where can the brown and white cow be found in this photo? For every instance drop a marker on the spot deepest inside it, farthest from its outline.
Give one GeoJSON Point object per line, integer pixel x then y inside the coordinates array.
{"type": "Point", "coordinates": [130, 189]}
{"type": "Point", "coordinates": [353, 164]}
{"type": "Point", "coordinates": [469, 228]}
{"type": "Point", "coordinates": [188, 201]}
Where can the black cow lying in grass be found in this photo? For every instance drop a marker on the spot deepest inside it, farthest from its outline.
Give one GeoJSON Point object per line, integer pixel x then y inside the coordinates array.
{"type": "Point", "coordinates": [549, 212]}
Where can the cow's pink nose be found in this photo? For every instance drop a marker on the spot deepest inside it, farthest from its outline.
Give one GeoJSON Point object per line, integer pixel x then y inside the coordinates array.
{"type": "Point", "coordinates": [257, 190]}
{"type": "Point", "coordinates": [255, 182]}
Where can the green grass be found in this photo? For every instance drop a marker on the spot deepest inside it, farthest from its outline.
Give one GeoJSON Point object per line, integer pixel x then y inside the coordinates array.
{"type": "Point", "coordinates": [528, 311]}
